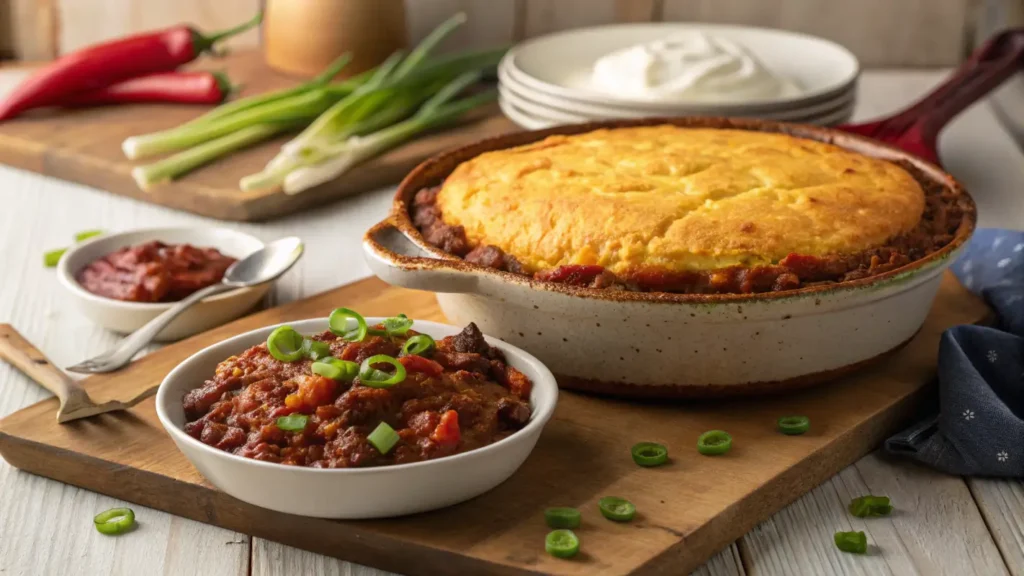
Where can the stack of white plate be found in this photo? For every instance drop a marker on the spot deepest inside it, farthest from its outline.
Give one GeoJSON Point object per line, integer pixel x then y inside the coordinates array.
{"type": "Point", "coordinates": [545, 81]}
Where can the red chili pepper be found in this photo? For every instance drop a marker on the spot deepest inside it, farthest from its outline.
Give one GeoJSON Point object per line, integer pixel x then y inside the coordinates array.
{"type": "Point", "coordinates": [111, 62]}
{"type": "Point", "coordinates": [178, 87]}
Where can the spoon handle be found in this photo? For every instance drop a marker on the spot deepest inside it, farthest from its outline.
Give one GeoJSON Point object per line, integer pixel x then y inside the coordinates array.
{"type": "Point", "coordinates": [21, 354]}
{"type": "Point", "coordinates": [130, 346]}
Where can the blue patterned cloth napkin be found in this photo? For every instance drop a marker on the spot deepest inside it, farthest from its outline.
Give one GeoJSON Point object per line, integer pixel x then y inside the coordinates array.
{"type": "Point", "coordinates": [979, 430]}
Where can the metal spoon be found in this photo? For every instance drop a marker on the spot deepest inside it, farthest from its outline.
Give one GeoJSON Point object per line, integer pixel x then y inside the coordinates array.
{"type": "Point", "coordinates": [261, 266]}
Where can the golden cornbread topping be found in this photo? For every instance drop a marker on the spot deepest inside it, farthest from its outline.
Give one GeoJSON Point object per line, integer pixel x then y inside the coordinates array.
{"type": "Point", "coordinates": [678, 199]}
{"type": "Point", "coordinates": [685, 210]}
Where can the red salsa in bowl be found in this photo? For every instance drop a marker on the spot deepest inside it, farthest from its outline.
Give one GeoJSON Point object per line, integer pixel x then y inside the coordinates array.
{"type": "Point", "coordinates": [154, 272]}
{"type": "Point", "coordinates": [359, 396]}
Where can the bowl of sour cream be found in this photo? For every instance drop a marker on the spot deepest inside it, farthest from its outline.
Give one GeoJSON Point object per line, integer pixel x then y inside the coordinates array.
{"type": "Point", "coordinates": [630, 70]}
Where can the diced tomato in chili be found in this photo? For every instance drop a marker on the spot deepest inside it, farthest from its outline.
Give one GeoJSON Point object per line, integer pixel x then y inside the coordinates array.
{"type": "Point", "coordinates": [447, 433]}
{"type": "Point", "coordinates": [414, 363]}
{"type": "Point", "coordinates": [575, 274]}
{"type": "Point", "coordinates": [313, 391]}
{"type": "Point", "coordinates": [282, 411]}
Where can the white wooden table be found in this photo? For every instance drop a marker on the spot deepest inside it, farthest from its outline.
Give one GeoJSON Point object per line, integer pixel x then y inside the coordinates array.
{"type": "Point", "coordinates": [942, 524]}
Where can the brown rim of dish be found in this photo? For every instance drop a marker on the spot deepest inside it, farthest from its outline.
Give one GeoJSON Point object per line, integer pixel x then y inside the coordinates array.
{"type": "Point", "coordinates": [434, 170]}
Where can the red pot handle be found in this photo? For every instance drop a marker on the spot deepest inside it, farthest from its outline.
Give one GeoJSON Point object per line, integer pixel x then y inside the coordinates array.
{"type": "Point", "coordinates": [916, 128]}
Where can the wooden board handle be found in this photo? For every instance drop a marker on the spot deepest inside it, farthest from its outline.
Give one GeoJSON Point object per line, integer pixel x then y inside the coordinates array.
{"type": "Point", "coordinates": [21, 354]}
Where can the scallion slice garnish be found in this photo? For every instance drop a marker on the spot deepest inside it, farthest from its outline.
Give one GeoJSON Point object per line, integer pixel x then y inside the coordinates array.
{"type": "Point", "coordinates": [866, 506]}
{"type": "Point", "coordinates": [649, 454]}
{"type": "Point", "coordinates": [562, 517]}
{"type": "Point", "coordinates": [375, 378]}
{"type": "Point", "coordinates": [335, 369]}
{"type": "Point", "coordinates": [292, 422]}
{"type": "Point", "coordinates": [617, 509]}
{"type": "Point", "coordinates": [853, 542]}
{"type": "Point", "coordinates": [714, 442]}
{"type": "Point", "coordinates": [418, 345]}
{"type": "Point", "coordinates": [285, 344]}
{"type": "Point", "coordinates": [315, 349]}
{"type": "Point", "coordinates": [114, 521]}
{"type": "Point", "coordinates": [562, 543]}
{"type": "Point", "coordinates": [794, 425]}
{"type": "Point", "coordinates": [51, 258]}
{"type": "Point", "coordinates": [85, 235]}
{"type": "Point", "coordinates": [383, 438]}
{"type": "Point", "coordinates": [338, 323]}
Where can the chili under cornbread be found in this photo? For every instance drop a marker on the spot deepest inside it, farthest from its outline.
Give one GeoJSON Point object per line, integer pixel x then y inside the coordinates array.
{"type": "Point", "coordinates": [693, 210]}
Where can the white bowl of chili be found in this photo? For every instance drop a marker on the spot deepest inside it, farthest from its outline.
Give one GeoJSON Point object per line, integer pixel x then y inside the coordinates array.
{"type": "Point", "coordinates": [353, 493]}
{"type": "Point", "coordinates": [126, 316]}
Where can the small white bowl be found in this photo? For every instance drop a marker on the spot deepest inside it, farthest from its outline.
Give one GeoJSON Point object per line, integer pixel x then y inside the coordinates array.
{"type": "Point", "coordinates": [125, 317]}
{"type": "Point", "coordinates": [353, 493]}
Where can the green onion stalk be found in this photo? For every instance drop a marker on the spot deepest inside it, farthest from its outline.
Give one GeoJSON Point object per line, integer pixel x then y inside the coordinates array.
{"type": "Point", "coordinates": [437, 111]}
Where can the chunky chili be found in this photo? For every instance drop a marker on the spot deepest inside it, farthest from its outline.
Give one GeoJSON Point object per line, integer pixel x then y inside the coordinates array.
{"type": "Point", "coordinates": [460, 396]}
{"type": "Point", "coordinates": [154, 272]}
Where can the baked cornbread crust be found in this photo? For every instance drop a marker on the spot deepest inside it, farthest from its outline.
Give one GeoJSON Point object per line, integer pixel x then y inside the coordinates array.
{"type": "Point", "coordinates": [692, 210]}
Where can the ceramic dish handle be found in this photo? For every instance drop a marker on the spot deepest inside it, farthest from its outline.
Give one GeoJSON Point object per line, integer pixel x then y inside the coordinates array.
{"type": "Point", "coordinates": [916, 129]}
{"type": "Point", "coordinates": [398, 260]}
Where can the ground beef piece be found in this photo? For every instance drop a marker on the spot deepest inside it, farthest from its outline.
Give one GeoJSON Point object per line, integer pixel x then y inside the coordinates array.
{"type": "Point", "coordinates": [468, 361]}
{"type": "Point", "coordinates": [471, 339]}
{"type": "Point", "coordinates": [494, 257]}
{"type": "Point", "coordinates": [372, 346]}
{"type": "Point", "coordinates": [427, 217]}
{"type": "Point", "coordinates": [513, 414]}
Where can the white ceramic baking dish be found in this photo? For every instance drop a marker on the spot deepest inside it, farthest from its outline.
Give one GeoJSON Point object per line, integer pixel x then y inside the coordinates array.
{"type": "Point", "coordinates": [672, 345]}
{"type": "Point", "coordinates": [353, 493]}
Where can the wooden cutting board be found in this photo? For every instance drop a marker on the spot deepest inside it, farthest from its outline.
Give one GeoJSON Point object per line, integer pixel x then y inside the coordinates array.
{"type": "Point", "coordinates": [84, 146]}
{"type": "Point", "coordinates": [687, 510]}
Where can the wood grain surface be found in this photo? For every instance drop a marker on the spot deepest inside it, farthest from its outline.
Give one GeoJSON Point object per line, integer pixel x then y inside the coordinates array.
{"type": "Point", "coordinates": [84, 146]}
{"type": "Point", "coordinates": [582, 456]}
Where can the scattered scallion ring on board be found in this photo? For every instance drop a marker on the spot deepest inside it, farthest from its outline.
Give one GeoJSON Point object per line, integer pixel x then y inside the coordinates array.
{"type": "Point", "coordinates": [418, 345]}
{"type": "Point", "coordinates": [375, 378]}
{"type": "Point", "coordinates": [616, 509]}
{"type": "Point", "coordinates": [714, 442]}
{"type": "Point", "coordinates": [114, 521]}
{"type": "Point", "coordinates": [562, 517]}
{"type": "Point", "coordinates": [315, 349]}
{"type": "Point", "coordinates": [794, 425]}
{"type": "Point", "coordinates": [285, 344]}
{"type": "Point", "coordinates": [867, 506]}
{"type": "Point", "coordinates": [51, 258]}
{"type": "Point", "coordinates": [562, 543]}
{"type": "Point", "coordinates": [335, 369]}
{"type": "Point", "coordinates": [852, 542]}
{"type": "Point", "coordinates": [338, 323]}
{"type": "Point", "coordinates": [292, 422]}
{"type": "Point", "coordinates": [649, 454]}
{"type": "Point", "coordinates": [86, 234]}
{"type": "Point", "coordinates": [383, 438]}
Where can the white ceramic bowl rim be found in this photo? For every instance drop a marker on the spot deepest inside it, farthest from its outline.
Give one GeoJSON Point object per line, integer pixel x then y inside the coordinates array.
{"type": "Point", "coordinates": [67, 276]}
{"type": "Point", "coordinates": [537, 44]}
{"type": "Point", "coordinates": [538, 418]}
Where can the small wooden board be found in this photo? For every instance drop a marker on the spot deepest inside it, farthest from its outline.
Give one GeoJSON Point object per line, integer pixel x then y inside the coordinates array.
{"type": "Point", "coordinates": [84, 146]}
{"type": "Point", "coordinates": [687, 510]}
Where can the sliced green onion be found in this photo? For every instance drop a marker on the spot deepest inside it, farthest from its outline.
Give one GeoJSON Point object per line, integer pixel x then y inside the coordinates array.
{"type": "Point", "coordinates": [714, 442]}
{"type": "Point", "coordinates": [397, 325]}
{"type": "Point", "coordinates": [562, 517]}
{"type": "Point", "coordinates": [315, 349]}
{"type": "Point", "coordinates": [649, 454]}
{"type": "Point", "coordinates": [853, 542]}
{"type": "Point", "coordinates": [375, 378]}
{"type": "Point", "coordinates": [335, 369]}
{"type": "Point", "coordinates": [562, 543]}
{"type": "Point", "coordinates": [338, 323]}
{"type": "Point", "coordinates": [383, 438]}
{"type": "Point", "coordinates": [617, 509]}
{"type": "Point", "coordinates": [114, 521]}
{"type": "Point", "coordinates": [85, 235]}
{"type": "Point", "coordinates": [867, 506]}
{"type": "Point", "coordinates": [292, 422]}
{"type": "Point", "coordinates": [794, 425]}
{"type": "Point", "coordinates": [419, 345]}
{"type": "Point", "coordinates": [51, 258]}
{"type": "Point", "coordinates": [285, 344]}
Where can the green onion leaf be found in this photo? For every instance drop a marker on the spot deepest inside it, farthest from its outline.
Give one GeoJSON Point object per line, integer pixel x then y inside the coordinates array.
{"type": "Point", "coordinates": [285, 344]}
{"type": "Point", "coordinates": [292, 422]}
{"type": "Point", "coordinates": [335, 369]}
{"type": "Point", "coordinates": [383, 438]}
{"type": "Point", "coordinates": [51, 258]}
{"type": "Point", "coordinates": [419, 345]}
{"type": "Point", "coordinates": [868, 506]}
{"type": "Point", "coordinates": [315, 349]}
{"type": "Point", "coordinates": [853, 542]}
{"type": "Point", "coordinates": [338, 323]}
{"type": "Point", "coordinates": [114, 521]}
{"type": "Point", "coordinates": [375, 378]}
{"type": "Point", "coordinates": [83, 236]}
